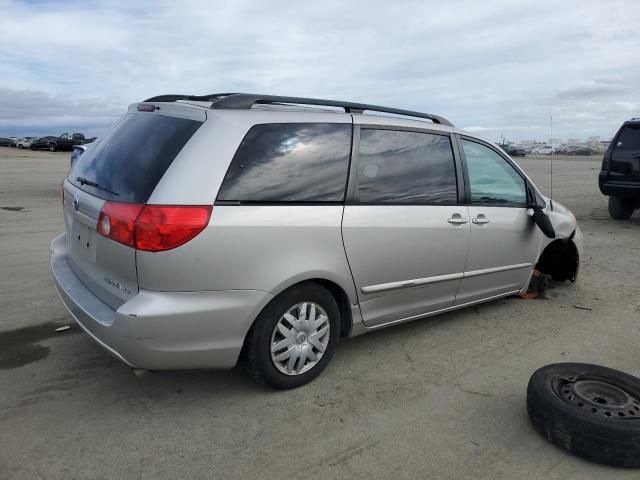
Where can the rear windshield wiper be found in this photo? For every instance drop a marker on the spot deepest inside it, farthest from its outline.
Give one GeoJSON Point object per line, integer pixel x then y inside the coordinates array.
{"type": "Point", "coordinates": [84, 181]}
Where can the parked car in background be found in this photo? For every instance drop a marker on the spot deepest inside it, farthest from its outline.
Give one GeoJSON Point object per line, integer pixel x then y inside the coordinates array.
{"type": "Point", "coordinates": [66, 141]}
{"type": "Point", "coordinates": [25, 142]}
{"type": "Point", "coordinates": [568, 149]}
{"type": "Point", "coordinates": [619, 177]}
{"type": "Point", "coordinates": [585, 151]}
{"type": "Point", "coordinates": [546, 150]}
{"type": "Point", "coordinates": [42, 143]}
{"type": "Point", "coordinates": [14, 141]}
{"type": "Point", "coordinates": [263, 232]}
{"type": "Point", "coordinates": [514, 150]}
{"type": "Point", "coordinates": [5, 142]}
{"type": "Point", "coordinates": [75, 153]}
{"type": "Point", "coordinates": [582, 150]}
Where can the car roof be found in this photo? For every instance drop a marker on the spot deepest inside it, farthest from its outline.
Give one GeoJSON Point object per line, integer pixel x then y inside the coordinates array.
{"type": "Point", "coordinates": [249, 101]}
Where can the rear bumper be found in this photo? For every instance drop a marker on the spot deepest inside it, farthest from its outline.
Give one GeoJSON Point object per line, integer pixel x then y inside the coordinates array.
{"type": "Point", "coordinates": [161, 330]}
{"type": "Point", "coordinates": [617, 188]}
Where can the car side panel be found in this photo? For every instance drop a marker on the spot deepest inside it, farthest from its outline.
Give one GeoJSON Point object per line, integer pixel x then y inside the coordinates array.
{"type": "Point", "coordinates": [502, 253]}
{"type": "Point", "coordinates": [265, 248]}
{"type": "Point", "coordinates": [407, 260]}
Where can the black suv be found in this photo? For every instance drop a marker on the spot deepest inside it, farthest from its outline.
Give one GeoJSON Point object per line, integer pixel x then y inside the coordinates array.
{"type": "Point", "coordinates": [620, 175]}
{"type": "Point", "coordinates": [66, 141]}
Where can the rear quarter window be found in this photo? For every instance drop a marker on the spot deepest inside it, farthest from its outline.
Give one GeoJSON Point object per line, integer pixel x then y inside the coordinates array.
{"type": "Point", "coordinates": [629, 137]}
{"type": "Point", "coordinates": [290, 162]}
{"type": "Point", "coordinates": [127, 163]}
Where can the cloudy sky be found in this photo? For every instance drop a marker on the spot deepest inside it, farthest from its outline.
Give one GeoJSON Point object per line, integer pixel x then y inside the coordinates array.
{"type": "Point", "coordinates": [494, 67]}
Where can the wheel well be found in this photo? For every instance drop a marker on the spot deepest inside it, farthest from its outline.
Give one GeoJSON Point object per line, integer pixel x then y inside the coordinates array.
{"type": "Point", "coordinates": [560, 260]}
{"type": "Point", "coordinates": [343, 304]}
{"type": "Point", "coordinates": [341, 299]}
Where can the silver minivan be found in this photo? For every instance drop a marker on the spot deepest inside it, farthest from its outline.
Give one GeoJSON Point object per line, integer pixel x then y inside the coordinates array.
{"type": "Point", "coordinates": [206, 231]}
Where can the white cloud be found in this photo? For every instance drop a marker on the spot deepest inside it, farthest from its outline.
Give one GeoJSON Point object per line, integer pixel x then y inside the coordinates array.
{"type": "Point", "coordinates": [498, 66]}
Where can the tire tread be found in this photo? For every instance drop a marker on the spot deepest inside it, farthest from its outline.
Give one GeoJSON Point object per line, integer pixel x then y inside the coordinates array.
{"type": "Point", "coordinates": [613, 441]}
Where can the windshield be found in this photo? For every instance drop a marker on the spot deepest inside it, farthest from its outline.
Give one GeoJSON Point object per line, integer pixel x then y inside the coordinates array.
{"type": "Point", "coordinates": [128, 162]}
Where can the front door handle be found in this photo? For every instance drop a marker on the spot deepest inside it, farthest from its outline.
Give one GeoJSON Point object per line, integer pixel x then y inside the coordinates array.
{"type": "Point", "coordinates": [480, 220]}
{"type": "Point", "coordinates": [457, 219]}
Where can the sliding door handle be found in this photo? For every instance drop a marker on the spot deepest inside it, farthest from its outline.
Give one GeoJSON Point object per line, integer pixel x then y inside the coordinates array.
{"type": "Point", "coordinates": [480, 220]}
{"type": "Point", "coordinates": [457, 219]}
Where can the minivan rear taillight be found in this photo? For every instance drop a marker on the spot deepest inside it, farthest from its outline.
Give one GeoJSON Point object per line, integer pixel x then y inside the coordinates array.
{"type": "Point", "coordinates": [161, 227]}
{"type": "Point", "coordinates": [117, 221]}
{"type": "Point", "coordinates": [153, 228]}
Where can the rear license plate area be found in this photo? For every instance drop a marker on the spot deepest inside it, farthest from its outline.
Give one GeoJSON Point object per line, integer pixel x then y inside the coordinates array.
{"type": "Point", "coordinates": [83, 241]}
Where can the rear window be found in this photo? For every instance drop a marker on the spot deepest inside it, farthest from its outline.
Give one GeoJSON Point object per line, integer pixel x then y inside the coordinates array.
{"type": "Point", "coordinates": [285, 162]}
{"type": "Point", "coordinates": [128, 162]}
{"type": "Point", "coordinates": [629, 137]}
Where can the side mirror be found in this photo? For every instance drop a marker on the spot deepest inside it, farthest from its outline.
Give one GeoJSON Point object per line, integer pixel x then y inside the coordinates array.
{"type": "Point", "coordinates": [543, 221]}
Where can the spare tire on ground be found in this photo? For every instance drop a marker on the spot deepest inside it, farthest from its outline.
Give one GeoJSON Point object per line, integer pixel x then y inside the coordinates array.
{"type": "Point", "coordinates": [588, 410]}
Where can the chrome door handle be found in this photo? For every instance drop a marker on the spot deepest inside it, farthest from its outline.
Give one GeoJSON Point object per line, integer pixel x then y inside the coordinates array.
{"type": "Point", "coordinates": [457, 220]}
{"type": "Point", "coordinates": [480, 220]}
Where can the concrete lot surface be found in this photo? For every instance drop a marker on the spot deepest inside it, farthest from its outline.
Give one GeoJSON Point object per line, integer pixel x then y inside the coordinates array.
{"type": "Point", "coordinates": [438, 398]}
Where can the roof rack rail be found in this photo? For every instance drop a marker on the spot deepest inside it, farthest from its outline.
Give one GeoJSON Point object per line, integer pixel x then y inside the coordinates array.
{"type": "Point", "coordinates": [197, 98]}
{"type": "Point", "coordinates": [244, 101]}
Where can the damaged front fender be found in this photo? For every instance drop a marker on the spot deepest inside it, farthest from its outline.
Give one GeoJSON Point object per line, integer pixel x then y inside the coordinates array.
{"type": "Point", "coordinates": [560, 257]}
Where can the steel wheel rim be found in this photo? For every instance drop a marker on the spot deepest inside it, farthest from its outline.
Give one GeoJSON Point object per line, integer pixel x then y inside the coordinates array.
{"type": "Point", "coordinates": [300, 338]}
{"type": "Point", "coordinates": [599, 396]}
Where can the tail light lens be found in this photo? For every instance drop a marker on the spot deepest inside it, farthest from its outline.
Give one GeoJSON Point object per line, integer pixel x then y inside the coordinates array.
{"type": "Point", "coordinates": [153, 228]}
{"type": "Point", "coordinates": [605, 160]}
{"type": "Point", "coordinates": [117, 221]}
{"type": "Point", "coordinates": [161, 228]}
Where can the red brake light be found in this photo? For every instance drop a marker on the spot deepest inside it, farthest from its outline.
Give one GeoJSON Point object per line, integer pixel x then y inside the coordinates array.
{"type": "Point", "coordinates": [153, 228]}
{"type": "Point", "coordinates": [146, 107]}
{"type": "Point", "coordinates": [160, 227]}
{"type": "Point", "coordinates": [117, 221]}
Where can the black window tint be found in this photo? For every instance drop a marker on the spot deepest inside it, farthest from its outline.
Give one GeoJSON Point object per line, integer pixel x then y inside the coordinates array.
{"type": "Point", "coordinates": [629, 137]}
{"type": "Point", "coordinates": [129, 161]}
{"type": "Point", "coordinates": [299, 162]}
{"type": "Point", "coordinates": [491, 178]}
{"type": "Point", "coordinates": [405, 167]}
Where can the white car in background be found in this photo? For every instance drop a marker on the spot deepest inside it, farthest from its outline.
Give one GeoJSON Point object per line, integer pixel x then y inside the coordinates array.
{"type": "Point", "coordinates": [546, 150]}
{"type": "Point", "coordinates": [25, 142]}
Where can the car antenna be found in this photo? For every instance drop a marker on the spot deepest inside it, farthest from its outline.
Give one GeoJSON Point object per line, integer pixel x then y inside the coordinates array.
{"type": "Point", "coordinates": [552, 155]}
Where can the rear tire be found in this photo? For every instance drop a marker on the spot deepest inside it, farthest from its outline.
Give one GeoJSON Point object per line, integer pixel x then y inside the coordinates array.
{"type": "Point", "coordinates": [620, 208]}
{"type": "Point", "coordinates": [20, 147]}
{"type": "Point", "coordinates": [52, 147]}
{"type": "Point", "coordinates": [257, 357]}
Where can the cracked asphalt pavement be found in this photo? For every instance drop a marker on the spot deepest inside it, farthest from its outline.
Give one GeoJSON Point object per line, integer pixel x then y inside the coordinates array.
{"type": "Point", "coordinates": [437, 398]}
